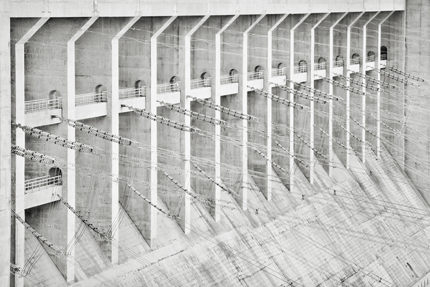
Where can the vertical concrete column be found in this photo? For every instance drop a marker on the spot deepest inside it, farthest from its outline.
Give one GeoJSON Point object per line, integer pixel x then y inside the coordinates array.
{"type": "Point", "coordinates": [292, 136]}
{"type": "Point", "coordinates": [363, 98]}
{"type": "Point", "coordinates": [330, 91]}
{"type": "Point", "coordinates": [69, 112]}
{"type": "Point", "coordinates": [348, 94]}
{"type": "Point", "coordinates": [312, 103]}
{"type": "Point", "coordinates": [243, 92]}
{"type": "Point", "coordinates": [153, 110]}
{"type": "Point", "coordinates": [5, 154]}
{"type": "Point", "coordinates": [186, 144]}
{"type": "Point", "coordinates": [216, 98]}
{"type": "Point", "coordinates": [268, 87]}
{"type": "Point", "coordinates": [113, 107]}
{"type": "Point", "coordinates": [20, 141]}
{"type": "Point", "coordinates": [378, 93]}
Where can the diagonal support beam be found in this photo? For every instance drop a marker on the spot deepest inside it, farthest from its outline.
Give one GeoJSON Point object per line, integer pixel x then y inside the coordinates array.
{"type": "Point", "coordinates": [113, 106]}
{"type": "Point", "coordinates": [330, 112]}
{"type": "Point", "coordinates": [312, 103]}
{"type": "Point", "coordinates": [20, 141]}
{"type": "Point", "coordinates": [348, 84]}
{"type": "Point", "coordinates": [292, 152]}
{"type": "Point", "coordinates": [186, 145]}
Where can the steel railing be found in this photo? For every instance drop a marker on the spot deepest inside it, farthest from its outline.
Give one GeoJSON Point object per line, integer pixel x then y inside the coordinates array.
{"type": "Point", "coordinates": [229, 79]}
{"type": "Point", "coordinates": [279, 72]}
{"type": "Point", "coordinates": [300, 69]}
{"type": "Point", "coordinates": [201, 83]}
{"type": "Point", "coordinates": [384, 56]}
{"type": "Point", "coordinates": [355, 61]}
{"type": "Point", "coordinates": [370, 58]}
{"type": "Point", "coordinates": [40, 182]}
{"type": "Point", "coordinates": [168, 88]}
{"type": "Point", "coordinates": [132, 93]}
{"type": "Point", "coordinates": [423, 282]}
{"type": "Point", "coordinates": [44, 104]}
{"type": "Point", "coordinates": [338, 63]}
{"type": "Point", "coordinates": [320, 66]}
{"type": "Point", "coordinates": [255, 75]}
{"type": "Point", "coordinates": [90, 98]}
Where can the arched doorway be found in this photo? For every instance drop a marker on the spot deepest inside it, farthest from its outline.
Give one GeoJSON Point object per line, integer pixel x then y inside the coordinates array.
{"type": "Point", "coordinates": [55, 176]}
{"type": "Point", "coordinates": [384, 53]}
{"type": "Point", "coordinates": [206, 79]}
{"type": "Point", "coordinates": [175, 82]}
{"type": "Point", "coordinates": [303, 66]}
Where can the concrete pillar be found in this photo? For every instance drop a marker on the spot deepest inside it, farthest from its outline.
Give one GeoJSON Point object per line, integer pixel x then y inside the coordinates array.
{"type": "Point", "coordinates": [115, 130]}
{"type": "Point", "coordinates": [330, 76]}
{"type": "Point", "coordinates": [20, 141]}
{"type": "Point", "coordinates": [269, 88]}
{"type": "Point", "coordinates": [378, 86]}
{"type": "Point", "coordinates": [363, 98]}
{"type": "Point", "coordinates": [292, 135]}
{"type": "Point", "coordinates": [186, 143]}
{"type": "Point", "coordinates": [153, 126]}
{"type": "Point", "coordinates": [348, 94]}
{"type": "Point", "coordinates": [5, 149]}
{"type": "Point", "coordinates": [69, 113]}
{"type": "Point", "coordinates": [312, 103]}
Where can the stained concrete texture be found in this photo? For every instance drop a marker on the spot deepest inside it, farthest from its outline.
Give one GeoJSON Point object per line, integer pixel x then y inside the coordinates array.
{"type": "Point", "coordinates": [365, 226]}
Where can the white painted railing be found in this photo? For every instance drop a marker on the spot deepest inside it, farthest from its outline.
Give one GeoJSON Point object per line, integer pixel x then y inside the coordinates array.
{"type": "Point", "coordinates": [279, 72]}
{"type": "Point", "coordinates": [423, 282]}
{"type": "Point", "coordinates": [255, 75]}
{"type": "Point", "coordinates": [90, 98]}
{"type": "Point", "coordinates": [40, 182]}
{"type": "Point", "coordinates": [229, 79]}
{"type": "Point", "coordinates": [355, 61]}
{"type": "Point", "coordinates": [300, 69]}
{"type": "Point", "coordinates": [320, 66]}
{"type": "Point", "coordinates": [40, 105]}
{"type": "Point", "coordinates": [370, 58]}
{"type": "Point", "coordinates": [201, 83]}
{"type": "Point", "coordinates": [338, 63]}
{"type": "Point", "coordinates": [132, 93]}
{"type": "Point", "coordinates": [168, 88]}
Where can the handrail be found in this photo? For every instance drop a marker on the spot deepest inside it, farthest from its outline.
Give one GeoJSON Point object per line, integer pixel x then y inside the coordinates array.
{"type": "Point", "coordinates": [370, 58]}
{"type": "Point", "coordinates": [339, 63]}
{"type": "Point", "coordinates": [355, 61]}
{"type": "Point", "coordinates": [43, 181]}
{"type": "Point", "coordinates": [320, 66]}
{"type": "Point", "coordinates": [229, 79]}
{"type": "Point", "coordinates": [256, 75]}
{"type": "Point", "coordinates": [132, 93]}
{"type": "Point", "coordinates": [300, 69]}
{"type": "Point", "coordinates": [276, 72]}
{"type": "Point", "coordinates": [90, 98]}
{"type": "Point", "coordinates": [201, 83]}
{"type": "Point", "coordinates": [43, 104]}
{"type": "Point", "coordinates": [168, 88]}
{"type": "Point", "coordinates": [423, 282]}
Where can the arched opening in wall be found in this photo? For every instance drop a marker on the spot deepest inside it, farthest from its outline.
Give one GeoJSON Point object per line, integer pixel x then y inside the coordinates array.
{"type": "Point", "coordinates": [370, 56]}
{"type": "Point", "coordinates": [384, 53]}
{"type": "Point", "coordinates": [258, 73]}
{"type": "Point", "coordinates": [100, 94]}
{"type": "Point", "coordinates": [175, 82]}
{"type": "Point", "coordinates": [339, 61]}
{"type": "Point", "coordinates": [355, 59]}
{"type": "Point", "coordinates": [280, 70]}
{"type": "Point", "coordinates": [54, 100]}
{"type": "Point", "coordinates": [206, 79]}
{"type": "Point", "coordinates": [303, 66]}
{"type": "Point", "coordinates": [55, 176]}
{"type": "Point", "coordinates": [322, 64]}
{"type": "Point", "coordinates": [233, 76]}
{"type": "Point", "coordinates": [140, 88]}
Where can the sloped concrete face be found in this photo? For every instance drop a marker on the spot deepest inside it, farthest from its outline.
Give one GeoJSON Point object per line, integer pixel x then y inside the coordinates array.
{"type": "Point", "coordinates": [289, 190]}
